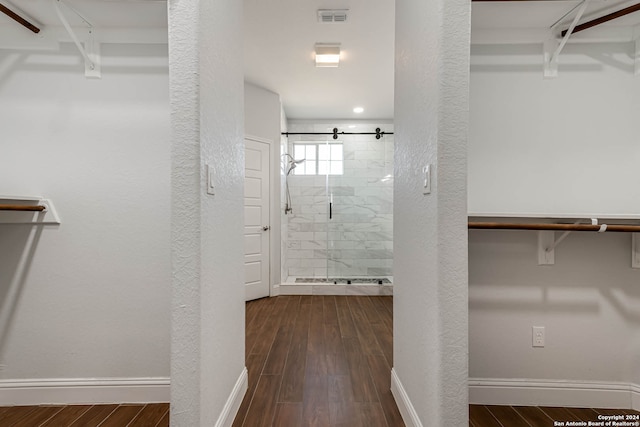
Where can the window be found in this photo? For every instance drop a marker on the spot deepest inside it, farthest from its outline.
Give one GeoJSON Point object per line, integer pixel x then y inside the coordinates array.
{"type": "Point", "coordinates": [321, 158]}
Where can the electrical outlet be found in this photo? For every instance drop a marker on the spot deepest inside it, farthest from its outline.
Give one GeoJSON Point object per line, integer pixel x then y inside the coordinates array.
{"type": "Point", "coordinates": [538, 336]}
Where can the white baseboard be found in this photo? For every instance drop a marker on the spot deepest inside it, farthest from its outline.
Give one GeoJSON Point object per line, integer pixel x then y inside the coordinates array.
{"type": "Point", "coordinates": [233, 402]}
{"type": "Point", "coordinates": [635, 397]}
{"type": "Point", "coordinates": [408, 412]}
{"type": "Point", "coordinates": [84, 391]}
{"type": "Point", "coordinates": [528, 392]}
{"type": "Point", "coordinates": [275, 290]}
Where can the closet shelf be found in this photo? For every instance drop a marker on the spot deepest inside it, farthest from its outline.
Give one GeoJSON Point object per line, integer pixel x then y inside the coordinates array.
{"type": "Point", "coordinates": [34, 210]}
{"type": "Point", "coordinates": [547, 225]}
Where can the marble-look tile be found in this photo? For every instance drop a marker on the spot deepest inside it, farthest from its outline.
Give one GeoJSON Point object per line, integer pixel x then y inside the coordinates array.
{"type": "Point", "coordinates": [342, 191]}
{"type": "Point", "coordinates": [292, 263]}
{"type": "Point", "coordinates": [296, 217]}
{"type": "Point", "coordinates": [320, 272]}
{"type": "Point", "coordinates": [373, 271]}
{"type": "Point", "coordinates": [292, 289]}
{"type": "Point", "coordinates": [386, 290]}
{"type": "Point", "coordinates": [320, 236]}
{"type": "Point", "coordinates": [300, 235]}
{"type": "Point", "coordinates": [294, 244]}
{"type": "Point", "coordinates": [313, 263]}
{"type": "Point", "coordinates": [329, 289]}
{"type": "Point", "coordinates": [301, 226]}
{"type": "Point", "coordinates": [313, 244]}
{"type": "Point", "coordinates": [363, 289]}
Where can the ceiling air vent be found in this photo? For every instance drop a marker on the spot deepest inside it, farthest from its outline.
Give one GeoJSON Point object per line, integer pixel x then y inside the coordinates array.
{"type": "Point", "coordinates": [326, 16]}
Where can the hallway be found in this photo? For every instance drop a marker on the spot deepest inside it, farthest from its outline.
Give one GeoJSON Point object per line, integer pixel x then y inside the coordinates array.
{"type": "Point", "coordinates": [319, 360]}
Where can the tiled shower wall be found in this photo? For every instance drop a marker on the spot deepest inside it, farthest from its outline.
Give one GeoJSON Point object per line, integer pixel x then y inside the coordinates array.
{"type": "Point", "coordinates": [358, 240]}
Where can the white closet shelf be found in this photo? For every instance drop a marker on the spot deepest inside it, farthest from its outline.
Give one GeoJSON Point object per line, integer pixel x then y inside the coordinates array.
{"type": "Point", "coordinates": [35, 210]}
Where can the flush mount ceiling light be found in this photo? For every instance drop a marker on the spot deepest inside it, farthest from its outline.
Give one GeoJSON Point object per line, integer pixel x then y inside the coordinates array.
{"type": "Point", "coordinates": [327, 55]}
{"type": "Point", "coordinates": [358, 110]}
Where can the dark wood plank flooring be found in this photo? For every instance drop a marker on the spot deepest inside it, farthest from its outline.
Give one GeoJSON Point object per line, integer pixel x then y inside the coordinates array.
{"type": "Point", "coordinates": [125, 415]}
{"type": "Point", "coordinates": [319, 361]}
{"type": "Point", "coordinates": [312, 361]}
{"type": "Point", "coordinates": [536, 416]}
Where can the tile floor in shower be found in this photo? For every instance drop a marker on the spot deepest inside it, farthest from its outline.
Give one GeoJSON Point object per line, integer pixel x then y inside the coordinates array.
{"type": "Point", "coordinates": [323, 286]}
{"type": "Point", "coordinates": [345, 280]}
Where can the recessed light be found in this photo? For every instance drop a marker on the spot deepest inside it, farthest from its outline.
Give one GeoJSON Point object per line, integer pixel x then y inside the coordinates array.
{"type": "Point", "coordinates": [358, 110]}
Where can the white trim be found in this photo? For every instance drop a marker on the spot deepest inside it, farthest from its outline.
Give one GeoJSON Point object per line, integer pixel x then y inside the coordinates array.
{"type": "Point", "coordinates": [84, 391]}
{"type": "Point", "coordinates": [233, 402]}
{"type": "Point", "coordinates": [530, 392]}
{"type": "Point", "coordinates": [408, 412]}
{"type": "Point", "coordinates": [635, 397]}
{"type": "Point", "coordinates": [329, 289]}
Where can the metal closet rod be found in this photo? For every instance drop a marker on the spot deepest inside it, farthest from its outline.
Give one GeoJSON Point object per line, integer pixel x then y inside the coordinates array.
{"type": "Point", "coordinates": [22, 208]}
{"type": "Point", "coordinates": [554, 227]}
{"type": "Point", "coordinates": [19, 19]}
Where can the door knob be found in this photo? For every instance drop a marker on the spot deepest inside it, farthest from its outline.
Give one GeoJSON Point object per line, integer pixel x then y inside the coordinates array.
{"type": "Point", "coordinates": [266, 228]}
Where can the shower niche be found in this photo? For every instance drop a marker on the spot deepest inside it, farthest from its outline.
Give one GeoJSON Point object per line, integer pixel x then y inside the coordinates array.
{"type": "Point", "coordinates": [337, 213]}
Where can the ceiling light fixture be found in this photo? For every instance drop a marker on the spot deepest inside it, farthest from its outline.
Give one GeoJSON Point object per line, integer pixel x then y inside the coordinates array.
{"type": "Point", "coordinates": [358, 110]}
{"type": "Point", "coordinates": [327, 55]}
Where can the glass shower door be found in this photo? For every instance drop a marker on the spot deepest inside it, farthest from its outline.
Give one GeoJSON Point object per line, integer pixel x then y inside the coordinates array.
{"type": "Point", "coordinates": [338, 206]}
{"type": "Point", "coordinates": [359, 176]}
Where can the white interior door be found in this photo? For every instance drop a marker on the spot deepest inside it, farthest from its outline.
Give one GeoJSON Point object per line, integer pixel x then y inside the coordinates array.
{"type": "Point", "coordinates": [256, 219]}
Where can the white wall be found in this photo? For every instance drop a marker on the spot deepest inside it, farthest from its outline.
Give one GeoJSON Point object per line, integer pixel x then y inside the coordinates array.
{"type": "Point", "coordinates": [553, 146]}
{"type": "Point", "coordinates": [89, 298]}
{"type": "Point", "coordinates": [564, 145]}
{"type": "Point", "coordinates": [430, 231]}
{"type": "Point", "coordinates": [207, 128]}
{"type": "Point", "coordinates": [262, 119]}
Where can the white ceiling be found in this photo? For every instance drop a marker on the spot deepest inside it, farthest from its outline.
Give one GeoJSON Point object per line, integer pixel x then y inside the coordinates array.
{"type": "Point", "coordinates": [280, 36]}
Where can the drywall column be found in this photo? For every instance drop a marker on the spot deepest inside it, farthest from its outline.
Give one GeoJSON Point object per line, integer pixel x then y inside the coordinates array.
{"type": "Point", "coordinates": [206, 77]}
{"type": "Point", "coordinates": [430, 240]}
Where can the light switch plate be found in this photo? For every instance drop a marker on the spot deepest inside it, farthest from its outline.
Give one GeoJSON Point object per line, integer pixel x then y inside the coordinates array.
{"type": "Point", "coordinates": [426, 177]}
{"type": "Point", "coordinates": [210, 179]}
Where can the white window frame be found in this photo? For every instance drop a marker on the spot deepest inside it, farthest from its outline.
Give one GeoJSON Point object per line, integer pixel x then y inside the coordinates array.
{"type": "Point", "coordinates": [338, 164]}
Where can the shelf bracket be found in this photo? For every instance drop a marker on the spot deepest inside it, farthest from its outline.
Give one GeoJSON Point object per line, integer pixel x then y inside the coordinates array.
{"type": "Point", "coordinates": [91, 49]}
{"type": "Point", "coordinates": [635, 250]}
{"type": "Point", "coordinates": [547, 243]}
{"type": "Point", "coordinates": [552, 48]}
{"type": "Point", "coordinates": [546, 247]}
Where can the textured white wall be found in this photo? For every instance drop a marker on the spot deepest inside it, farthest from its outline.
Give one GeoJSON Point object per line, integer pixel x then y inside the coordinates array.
{"type": "Point", "coordinates": [565, 145]}
{"type": "Point", "coordinates": [588, 302]}
{"type": "Point", "coordinates": [93, 298]}
{"type": "Point", "coordinates": [262, 119]}
{"type": "Point", "coordinates": [430, 233]}
{"type": "Point", "coordinates": [205, 40]}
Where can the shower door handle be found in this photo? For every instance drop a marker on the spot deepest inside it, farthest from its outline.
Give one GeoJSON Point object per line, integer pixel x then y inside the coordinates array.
{"type": "Point", "coordinates": [330, 210]}
{"type": "Point", "coordinates": [266, 228]}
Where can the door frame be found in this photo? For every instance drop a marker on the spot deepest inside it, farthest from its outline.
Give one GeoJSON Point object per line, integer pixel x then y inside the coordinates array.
{"type": "Point", "coordinates": [274, 216]}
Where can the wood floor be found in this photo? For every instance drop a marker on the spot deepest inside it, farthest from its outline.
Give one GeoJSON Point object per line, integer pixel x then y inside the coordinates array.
{"type": "Point", "coordinates": [539, 416]}
{"type": "Point", "coordinates": [319, 360]}
{"type": "Point", "coordinates": [152, 415]}
{"type": "Point", "coordinates": [312, 361]}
